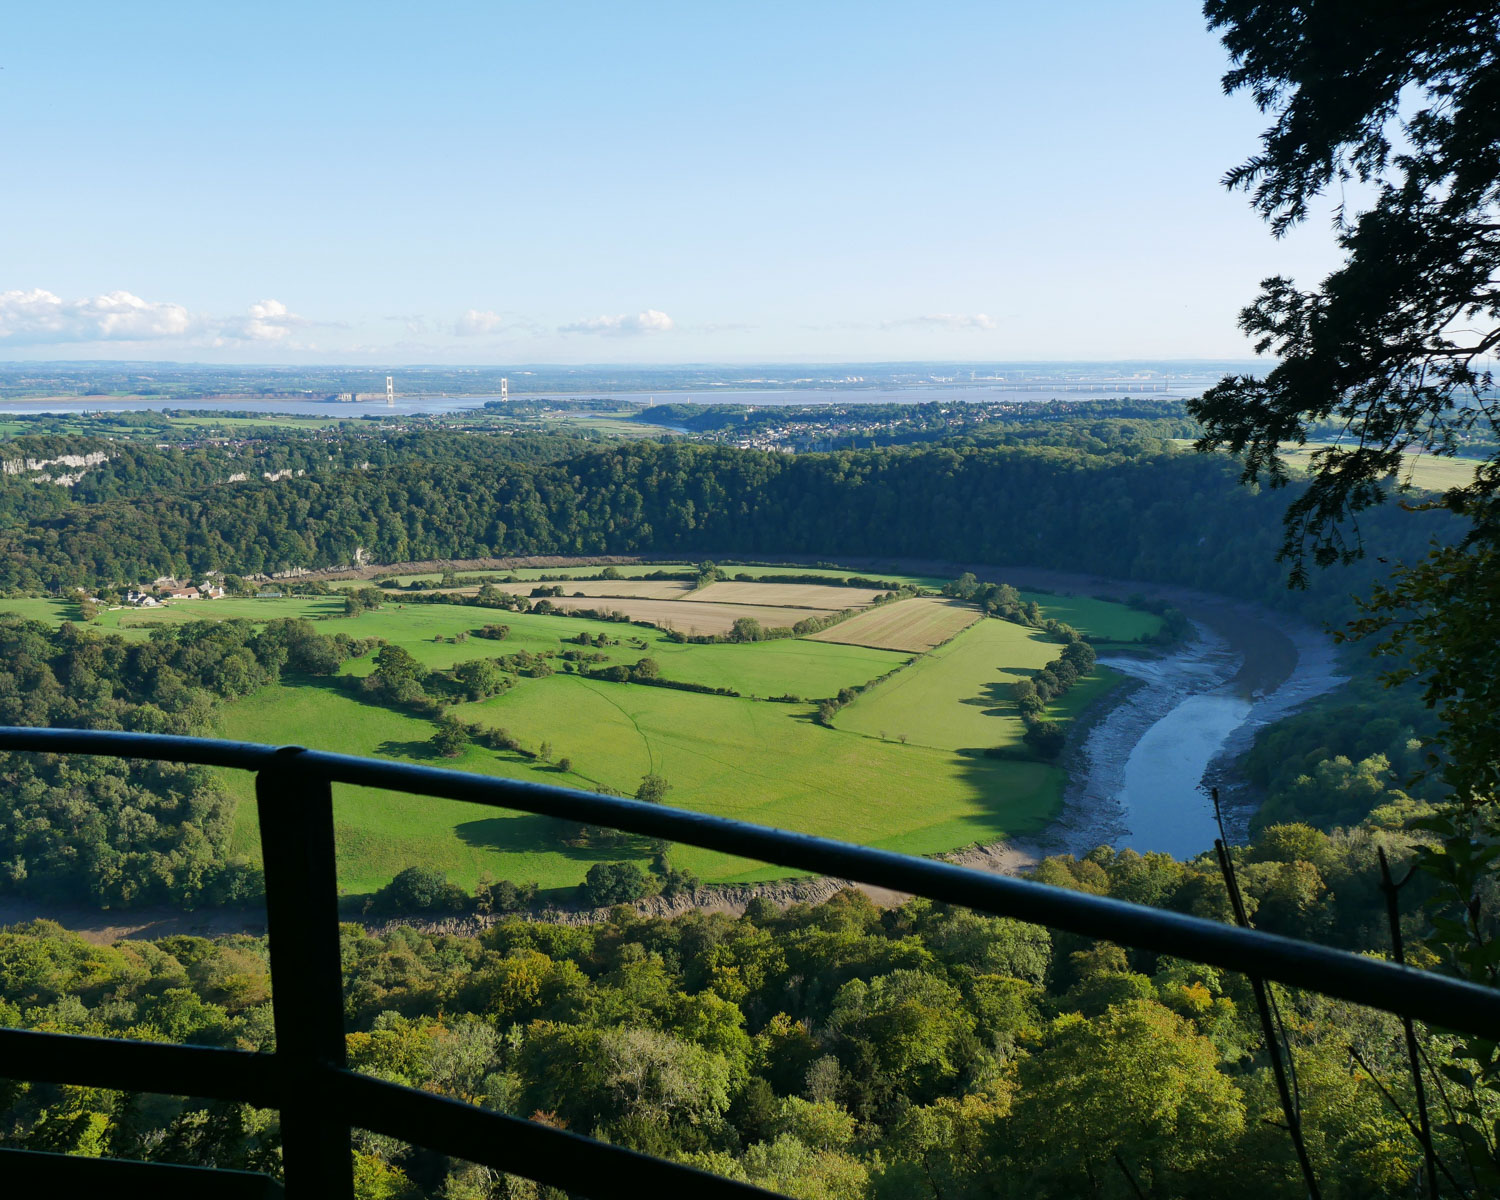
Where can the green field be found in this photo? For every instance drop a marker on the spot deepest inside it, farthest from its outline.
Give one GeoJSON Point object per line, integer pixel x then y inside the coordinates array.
{"type": "Point", "coordinates": [1102, 620]}
{"type": "Point", "coordinates": [1427, 471]}
{"type": "Point", "coordinates": [53, 612]}
{"type": "Point", "coordinates": [757, 669]}
{"type": "Point", "coordinates": [1434, 473]}
{"type": "Point", "coordinates": [957, 697]}
{"type": "Point", "coordinates": [760, 762]}
{"type": "Point", "coordinates": [314, 607]}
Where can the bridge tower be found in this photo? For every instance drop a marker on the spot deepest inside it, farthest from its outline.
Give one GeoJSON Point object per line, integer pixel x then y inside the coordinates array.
{"type": "Point", "coordinates": [504, 389]}
{"type": "Point", "coordinates": [390, 391]}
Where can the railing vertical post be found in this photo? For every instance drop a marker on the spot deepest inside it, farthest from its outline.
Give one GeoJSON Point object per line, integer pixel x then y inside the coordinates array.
{"type": "Point", "coordinates": [296, 834]}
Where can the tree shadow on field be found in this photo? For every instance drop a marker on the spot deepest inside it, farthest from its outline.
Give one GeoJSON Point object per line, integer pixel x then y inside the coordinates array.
{"type": "Point", "coordinates": [1011, 780]}
{"type": "Point", "coordinates": [422, 750]}
{"type": "Point", "coordinates": [521, 833]}
{"type": "Point", "coordinates": [994, 698]}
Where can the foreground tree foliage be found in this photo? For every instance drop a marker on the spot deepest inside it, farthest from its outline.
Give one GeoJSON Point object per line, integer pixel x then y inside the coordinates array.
{"type": "Point", "coordinates": [1400, 100]}
{"type": "Point", "coordinates": [1391, 347]}
{"type": "Point", "coordinates": [829, 1051]}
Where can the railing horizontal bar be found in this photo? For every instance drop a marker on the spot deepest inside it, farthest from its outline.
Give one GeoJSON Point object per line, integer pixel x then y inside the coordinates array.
{"type": "Point", "coordinates": [551, 1156]}
{"type": "Point", "coordinates": [37, 1173]}
{"type": "Point", "coordinates": [160, 1067]}
{"type": "Point", "coordinates": [1437, 999]}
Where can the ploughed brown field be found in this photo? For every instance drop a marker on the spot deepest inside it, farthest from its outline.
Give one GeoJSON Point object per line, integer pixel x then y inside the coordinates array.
{"type": "Point", "coordinates": [692, 616]}
{"type": "Point", "coordinates": [790, 595]}
{"type": "Point", "coordinates": [912, 625]}
{"type": "Point", "coordinates": [642, 589]}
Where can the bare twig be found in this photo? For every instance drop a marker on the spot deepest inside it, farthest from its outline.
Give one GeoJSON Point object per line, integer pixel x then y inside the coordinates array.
{"type": "Point", "coordinates": [1410, 1124]}
{"type": "Point", "coordinates": [1268, 1029]}
{"type": "Point", "coordinates": [1398, 951]}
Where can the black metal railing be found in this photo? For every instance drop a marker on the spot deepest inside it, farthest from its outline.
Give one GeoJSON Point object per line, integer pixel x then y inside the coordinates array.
{"type": "Point", "coordinates": [320, 1099]}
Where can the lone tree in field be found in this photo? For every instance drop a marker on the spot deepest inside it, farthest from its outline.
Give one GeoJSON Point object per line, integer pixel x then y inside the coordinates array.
{"type": "Point", "coordinates": [1390, 348]}
{"type": "Point", "coordinates": [653, 789]}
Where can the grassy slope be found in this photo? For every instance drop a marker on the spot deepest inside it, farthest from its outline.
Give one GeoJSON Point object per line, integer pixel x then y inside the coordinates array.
{"type": "Point", "coordinates": [52, 612]}
{"type": "Point", "coordinates": [767, 763]}
{"type": "Point", "coordinates": [1436, 474]}
{"type": "Point", "coordinates": [957, 696]}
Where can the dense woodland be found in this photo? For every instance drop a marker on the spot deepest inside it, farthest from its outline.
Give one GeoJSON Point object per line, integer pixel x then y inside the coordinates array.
{"type": "Point", "coordinates": [1105, 497]}
{"type": "Point", "coordinates": [118, 832]}
{"type": "Point", "coordinates": [836, 1051]}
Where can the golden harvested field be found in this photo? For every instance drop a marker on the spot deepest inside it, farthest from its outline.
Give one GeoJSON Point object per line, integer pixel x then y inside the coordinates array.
{"type": "Point", "coordinates": [788, 595]}
{"type": "Point", "coordinates": [641, 589]}
{"type": "Point", "coordinates": [692, 616]}
{"type": "Point", "coordinates": [912, 625]}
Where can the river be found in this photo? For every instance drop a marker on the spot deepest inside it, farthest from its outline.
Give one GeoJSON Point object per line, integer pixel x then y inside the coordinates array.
{"type": "Point", "coordinates": [1141, 775]}
{"type": "Point", "coordinates": [1148, 764]}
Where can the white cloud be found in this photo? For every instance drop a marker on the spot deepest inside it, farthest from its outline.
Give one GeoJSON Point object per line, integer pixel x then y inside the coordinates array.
{"type": "Point", "coordinates": [268, 321]}
{"type": "Point", "coordinates": [624, 325]}
{"type": "Point", "coordinates": [953, 321]}
{"type": "Point", "coordinates": [476, 324]}
{"type": "Point", "coordinates": [39, 316]}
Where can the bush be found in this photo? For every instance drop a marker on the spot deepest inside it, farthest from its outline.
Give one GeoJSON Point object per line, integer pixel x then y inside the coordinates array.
{"type": "Point", "coordinates": [616, 883]}
{"type": "Point", "coordinates": [420, 889]}
{"type": "Point", "coordinates": [653, 789]}
{"type": "Point", "coordinates": [451, 737]}
{"type": "Point", "coordinates": [1046, 738]}
{"type": "Point", "coordinates": [504, 896]}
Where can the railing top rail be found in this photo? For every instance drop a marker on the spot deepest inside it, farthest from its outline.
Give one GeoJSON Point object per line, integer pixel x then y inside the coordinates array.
{"type": "Point", "coordinates": [1437, 999]}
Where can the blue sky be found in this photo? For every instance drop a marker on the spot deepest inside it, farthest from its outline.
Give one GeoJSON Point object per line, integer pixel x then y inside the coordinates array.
{"type": "Point", "coordinates": [605, 182]}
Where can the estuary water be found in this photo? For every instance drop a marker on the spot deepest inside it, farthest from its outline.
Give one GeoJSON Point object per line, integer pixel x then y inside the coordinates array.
{"type": "Point", "coordinates": [435, 405]}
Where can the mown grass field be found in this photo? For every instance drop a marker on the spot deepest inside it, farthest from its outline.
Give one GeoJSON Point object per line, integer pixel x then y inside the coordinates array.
{"type": "Point", "coordinates": [1103, 620]}
{"type": "Point", "coordinates": [646, 589]}
{"type": "Point", "coordinates": [1427, 471]}
{"type": "Point", "coordinates": [957, 696]}
{"type": "Point", "coordinates": [910, 625]}
{"type": "Point", "coordinates": [756, 761]}
{"type": "Point", "coordinates": [787, 595]}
